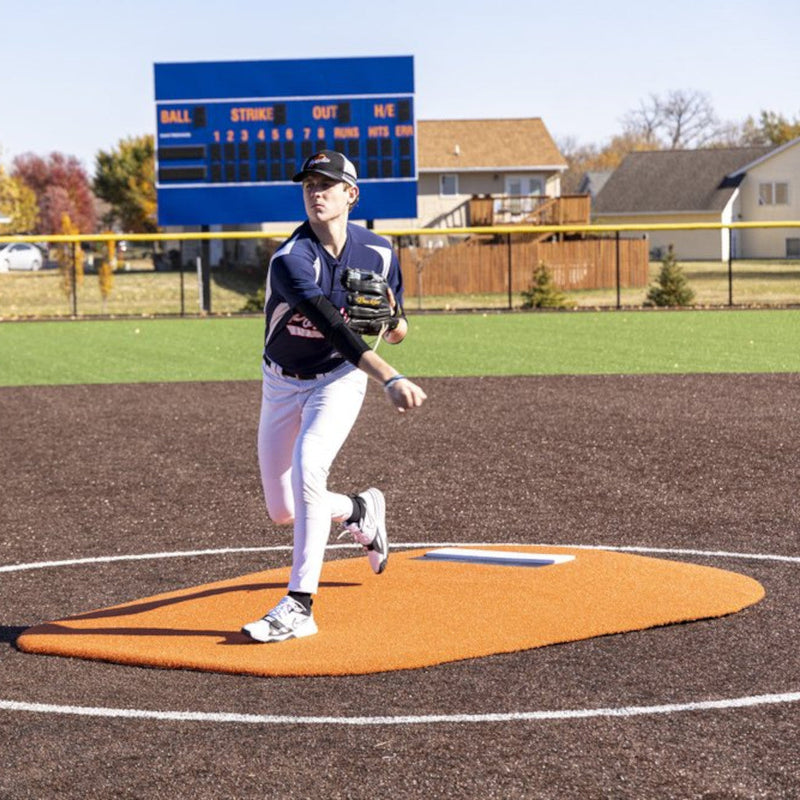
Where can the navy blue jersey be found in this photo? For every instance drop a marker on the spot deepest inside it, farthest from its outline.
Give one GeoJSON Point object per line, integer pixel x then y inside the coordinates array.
{"type": "Point", "coordinates": [302, 269]}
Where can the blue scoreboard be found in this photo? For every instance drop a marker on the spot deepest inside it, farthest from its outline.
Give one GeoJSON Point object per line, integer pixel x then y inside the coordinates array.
{"type": "Point", "coordinates": [230, 136]}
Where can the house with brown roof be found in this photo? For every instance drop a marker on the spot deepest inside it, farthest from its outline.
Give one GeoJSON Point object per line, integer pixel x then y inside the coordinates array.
{"type": "Point", "coordinates": [489, 172]}
{"type": "Point", "coordinates": [719, 185]}
{"type": "Point", "coordinates": [492, 158]}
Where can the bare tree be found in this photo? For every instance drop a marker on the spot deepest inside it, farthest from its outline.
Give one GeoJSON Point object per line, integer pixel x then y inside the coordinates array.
{"type": "Point", "coordinates": [685, 118]}
{"type": "Point", "coordinates": [644, 122]}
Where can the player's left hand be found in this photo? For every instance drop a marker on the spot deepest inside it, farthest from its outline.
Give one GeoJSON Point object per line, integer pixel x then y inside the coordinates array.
{"type": "Point", "coordinates": [370, 306]}
{"type": "Point", "coordinates": [405, 394]}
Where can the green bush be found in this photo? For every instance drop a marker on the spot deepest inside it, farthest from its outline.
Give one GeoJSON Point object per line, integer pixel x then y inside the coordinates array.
{"type": "Point", "coordinates": [543, 293]}
{"type": "Point", "coordinates": [671, 287]}
{"type": "Point", "coordinates": [255, 302]}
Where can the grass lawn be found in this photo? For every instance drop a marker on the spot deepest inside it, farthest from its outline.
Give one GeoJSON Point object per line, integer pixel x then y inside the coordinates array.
{"type": "Point", "coordinates": [514, 343]}
{"type": "Point", "coordinates": [134, 293]}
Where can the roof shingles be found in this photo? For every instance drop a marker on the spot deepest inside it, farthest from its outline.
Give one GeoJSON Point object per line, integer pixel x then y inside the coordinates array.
{"type": "Point", "coordinates": [486, 144]}
{"type": "Point", "coordinates": [664, 181]}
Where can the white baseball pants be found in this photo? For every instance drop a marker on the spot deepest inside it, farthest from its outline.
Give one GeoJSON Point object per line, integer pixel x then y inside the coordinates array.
{"type": "Point", "coordinates": [303, 426]}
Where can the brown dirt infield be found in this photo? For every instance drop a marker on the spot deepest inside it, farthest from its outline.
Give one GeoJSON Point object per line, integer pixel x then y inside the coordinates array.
{"type": "Point", "coordinates": [704, 463]}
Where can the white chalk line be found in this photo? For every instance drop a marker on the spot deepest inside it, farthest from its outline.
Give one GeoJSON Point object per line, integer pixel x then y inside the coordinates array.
{"type": "Point", "coordinates": [395, 546]}
{"type": "Point", "coordinates": [421, 719]}
{"type": "Point", "coordinates": [405, 719]}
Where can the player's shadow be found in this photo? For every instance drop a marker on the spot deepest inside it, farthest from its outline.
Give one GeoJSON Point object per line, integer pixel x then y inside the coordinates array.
{"type": "Point", "coordinates": [138, 607]}
{"type": "Point", "coordinates": [9, 633]}
{"type": "Point", "coordinates": [150, 605]}
{"type": "Point", "coordinates": [228, 637]}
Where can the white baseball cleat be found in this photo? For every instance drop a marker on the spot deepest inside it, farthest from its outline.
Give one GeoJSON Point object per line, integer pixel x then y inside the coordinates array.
{"type": "Point", "coordinates": [288, 620]}
{"type": "Point", "coordinates": [370, 532]}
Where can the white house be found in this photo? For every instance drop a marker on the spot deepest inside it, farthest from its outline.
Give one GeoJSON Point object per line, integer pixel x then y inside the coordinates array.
{"type": "Point", "coordinates": [720, 185]}
{"type": "Point", "coordinates": [770, 191]}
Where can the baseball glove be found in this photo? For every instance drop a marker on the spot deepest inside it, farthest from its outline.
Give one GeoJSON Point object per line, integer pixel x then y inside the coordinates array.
{"type": "Point", "coordinates": [369, 304]}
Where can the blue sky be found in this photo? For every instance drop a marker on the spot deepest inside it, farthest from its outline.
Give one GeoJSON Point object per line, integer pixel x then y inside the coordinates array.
{"type": "Point", "coordinates": [78, 76]}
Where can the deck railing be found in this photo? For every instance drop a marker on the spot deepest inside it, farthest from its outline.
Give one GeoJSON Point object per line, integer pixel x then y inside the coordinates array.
{"type": "Point", "coordinates": [505, 209]}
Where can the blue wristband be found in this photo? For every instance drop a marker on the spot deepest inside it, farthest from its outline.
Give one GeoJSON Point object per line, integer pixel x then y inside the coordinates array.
{"type": "Point", "coordinates": [393, 379]}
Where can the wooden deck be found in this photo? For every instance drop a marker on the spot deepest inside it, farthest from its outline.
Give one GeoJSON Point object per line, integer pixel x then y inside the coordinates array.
{"type": "Point", "coordinates": [497, 209]}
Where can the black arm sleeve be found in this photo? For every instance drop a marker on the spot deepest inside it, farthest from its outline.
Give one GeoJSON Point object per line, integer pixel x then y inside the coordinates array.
{"type": "Point", "coordinates": [330, 323]}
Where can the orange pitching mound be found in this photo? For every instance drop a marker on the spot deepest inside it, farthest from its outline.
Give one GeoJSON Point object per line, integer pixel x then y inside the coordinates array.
{"type": "Point", "coordinates": [424, 610]}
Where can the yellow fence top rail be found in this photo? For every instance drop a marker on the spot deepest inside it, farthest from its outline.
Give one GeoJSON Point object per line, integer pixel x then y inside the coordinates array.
{"type": "Point", "coordinates": [490, 230]}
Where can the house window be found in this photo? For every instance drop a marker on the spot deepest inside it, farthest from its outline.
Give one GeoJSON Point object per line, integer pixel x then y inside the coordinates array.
{"type": "Point", "coordinates": [448, 184]}
{"type": "Point", "coordinates": [520, 188]}
{"type": "Point", "coordinates": [793, 248]}
{"type": "Point", "coordinates": [524, 186]}
{"type": "Point", "coordinates": [773, 194]}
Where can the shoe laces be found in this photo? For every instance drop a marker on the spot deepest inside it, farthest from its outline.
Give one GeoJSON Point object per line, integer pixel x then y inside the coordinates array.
{"type": "Point", "coordinates": [286, 608]}
{"type": "Point", "coordinates": [358, 535]}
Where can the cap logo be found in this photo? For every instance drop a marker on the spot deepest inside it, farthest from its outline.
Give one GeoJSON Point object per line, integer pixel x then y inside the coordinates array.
{"type": "Point", "coordinates": [328, 162]}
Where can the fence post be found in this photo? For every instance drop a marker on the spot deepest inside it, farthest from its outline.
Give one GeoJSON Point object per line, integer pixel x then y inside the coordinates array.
{"type": "Point", "coordinates": [510, 271]}
{"type": "Point", "coordinates": [619, 290]}
{"type": "Point", "coordinates": [200, 284]}
{"type": "Point", "coordinates": [205, 267]}
{"type": "Point", "coordinates": [183, 294]}
{"type": "Point", "coordinates": [730, 266]}
{"type": "Point", "coordinates": [419, 265]}
{"type": "Point", "coordinates": [74, 278]}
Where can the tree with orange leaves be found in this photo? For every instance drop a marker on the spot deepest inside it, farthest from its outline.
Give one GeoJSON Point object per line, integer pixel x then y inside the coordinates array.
{"type": "Point", "coordinates": [70, 259]}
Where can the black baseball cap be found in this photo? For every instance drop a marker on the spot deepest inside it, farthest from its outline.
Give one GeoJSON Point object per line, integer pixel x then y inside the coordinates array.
{"type": "Point", "coordinates": [331, 164]}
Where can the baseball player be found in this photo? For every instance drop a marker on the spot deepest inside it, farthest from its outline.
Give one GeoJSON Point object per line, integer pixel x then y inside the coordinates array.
{"type": "Point", "coordinates": [315, 373]}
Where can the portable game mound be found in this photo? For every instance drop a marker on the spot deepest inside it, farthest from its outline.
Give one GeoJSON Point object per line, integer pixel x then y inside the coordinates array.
{"type": "Point", "coordinates": [428, 608]}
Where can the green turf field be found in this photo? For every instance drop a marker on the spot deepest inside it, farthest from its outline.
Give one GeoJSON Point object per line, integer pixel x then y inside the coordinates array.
{"type": "Point", "coordinates": [211, 349]}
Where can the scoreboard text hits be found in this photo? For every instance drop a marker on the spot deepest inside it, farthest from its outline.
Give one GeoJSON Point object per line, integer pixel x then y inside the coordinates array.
{"type": "Point", "coordinates": [236, 142]}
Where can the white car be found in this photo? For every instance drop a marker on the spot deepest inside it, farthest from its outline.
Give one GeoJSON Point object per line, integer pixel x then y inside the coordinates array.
{"type": "Point", "coordinates": [20, 255]}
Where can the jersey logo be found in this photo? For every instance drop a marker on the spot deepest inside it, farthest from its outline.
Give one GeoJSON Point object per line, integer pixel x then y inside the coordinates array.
{"type": "Point", "coordinates": [298, 325]}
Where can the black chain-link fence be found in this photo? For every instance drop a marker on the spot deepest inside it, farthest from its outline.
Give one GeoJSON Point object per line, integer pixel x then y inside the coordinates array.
{"type": "Point", "coordinates": [190, 274]}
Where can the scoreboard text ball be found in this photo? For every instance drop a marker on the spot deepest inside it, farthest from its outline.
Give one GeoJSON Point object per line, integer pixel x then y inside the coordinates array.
{"type": "Point", "coordinates": [230, 136]}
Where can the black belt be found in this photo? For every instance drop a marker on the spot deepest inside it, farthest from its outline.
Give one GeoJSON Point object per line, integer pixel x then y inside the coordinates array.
{"type": "Point", "coordinates": [296, 375]}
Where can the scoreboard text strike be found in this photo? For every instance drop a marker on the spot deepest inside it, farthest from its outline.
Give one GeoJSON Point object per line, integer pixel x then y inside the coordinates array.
{"type": "Point", "coordinates": [232, 134]}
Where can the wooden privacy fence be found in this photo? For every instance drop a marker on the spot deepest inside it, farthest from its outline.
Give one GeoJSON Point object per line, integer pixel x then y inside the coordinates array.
{"type": "Point", "coordinates": [482, 267]}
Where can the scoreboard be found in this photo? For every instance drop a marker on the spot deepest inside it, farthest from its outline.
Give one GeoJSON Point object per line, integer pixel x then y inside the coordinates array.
{"type": "Point", "coordinates": [230, 136]}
